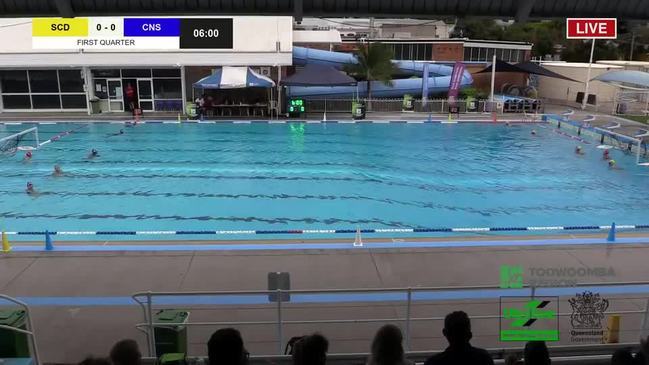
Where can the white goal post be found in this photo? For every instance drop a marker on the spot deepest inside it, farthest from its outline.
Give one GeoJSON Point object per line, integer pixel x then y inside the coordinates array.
{"type": "Point", "coordinates": [26, 140]}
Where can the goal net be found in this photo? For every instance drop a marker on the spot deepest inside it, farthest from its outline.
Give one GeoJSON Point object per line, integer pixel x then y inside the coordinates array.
{"type": "Point", "coordinates": [630, 145]}
{"type": "Point", "coordinates": [26, 140]}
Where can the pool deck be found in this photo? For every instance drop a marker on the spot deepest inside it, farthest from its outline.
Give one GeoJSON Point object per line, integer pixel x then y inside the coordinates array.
{"type": "Point", "coordinates": [628, 127]}
{"type": "Point", "coordinates": [81, 299]}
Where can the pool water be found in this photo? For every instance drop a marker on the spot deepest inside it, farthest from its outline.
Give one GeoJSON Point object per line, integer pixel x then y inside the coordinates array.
{"type": "Point", "coordinates": [315, 176]}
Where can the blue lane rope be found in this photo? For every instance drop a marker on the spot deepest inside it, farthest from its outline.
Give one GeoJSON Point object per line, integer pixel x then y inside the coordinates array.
{"type": "Point", "coordinates": [331, 231]}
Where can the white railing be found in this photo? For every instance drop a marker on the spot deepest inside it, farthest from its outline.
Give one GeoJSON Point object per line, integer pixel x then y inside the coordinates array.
{"type": "Point", "coordinates": [404, 295]}
{"type": "Point", "coordinates": [29, 331]}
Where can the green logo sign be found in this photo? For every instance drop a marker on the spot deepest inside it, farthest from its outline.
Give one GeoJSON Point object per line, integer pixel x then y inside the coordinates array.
{"type": "Point", "coordinates": [511, 277]}
{"type": "Point", "coordinates": [529, 319]}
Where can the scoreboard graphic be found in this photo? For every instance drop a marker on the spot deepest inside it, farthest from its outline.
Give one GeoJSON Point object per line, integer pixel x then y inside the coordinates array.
{"type": "Point", "coordinates": [132, 33]}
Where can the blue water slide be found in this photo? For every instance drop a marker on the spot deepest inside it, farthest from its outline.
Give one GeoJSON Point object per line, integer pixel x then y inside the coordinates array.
{"type": "Point", "coordinates": [439, 82]}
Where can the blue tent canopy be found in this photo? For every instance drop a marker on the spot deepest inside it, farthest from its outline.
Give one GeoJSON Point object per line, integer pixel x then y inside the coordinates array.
{"type": "Point", "coordinates": [628, 79]}
{"type": "Point", "coordinates": [234, 78]}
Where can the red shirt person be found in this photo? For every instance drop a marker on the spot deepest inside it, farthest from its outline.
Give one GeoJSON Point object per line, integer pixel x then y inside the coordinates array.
{"type": "Point", "coordinates": [130, 95]}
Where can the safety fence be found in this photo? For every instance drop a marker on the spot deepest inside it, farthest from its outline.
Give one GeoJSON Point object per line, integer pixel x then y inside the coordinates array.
{"type": "Point", "coordinates": [435, 106]}
{"type": "Point", "coordinates": [280, 314]}
{"type": "Point", "coordinates": [287, 313]}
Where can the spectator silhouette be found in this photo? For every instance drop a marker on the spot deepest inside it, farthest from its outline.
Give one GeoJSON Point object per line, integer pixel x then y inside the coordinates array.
{"type": "Point", "coordinates": [90, 360]}
{"type": "Point", "coordinates": [126, 352]}
{"type": "Point", "coordinates": [387, 348]}
{"type": "Point", "coordinates": [225, 347]}
{"type": "Point", "coordinates": [310, 350]}
{"type": "Point", "coordinates": [536, 353]}
{"type": "Point", "coordinates": [457, 330]}
{"type": "Point", "coordinates": [623, 357]}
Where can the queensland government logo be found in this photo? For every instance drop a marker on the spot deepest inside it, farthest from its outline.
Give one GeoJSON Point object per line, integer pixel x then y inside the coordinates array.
{"type": "Point", "coordinates": [529, 318]}
{"type": "Point", "coordinates": [586, 319]}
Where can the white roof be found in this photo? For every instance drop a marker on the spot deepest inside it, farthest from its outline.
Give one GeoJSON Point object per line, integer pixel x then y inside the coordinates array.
{"type": "Point", "coordinates": [316, 36]}
{"type": "Point", "coordinates": [625, 63]}
{"type": "Point", "coordinates": [580, 65]}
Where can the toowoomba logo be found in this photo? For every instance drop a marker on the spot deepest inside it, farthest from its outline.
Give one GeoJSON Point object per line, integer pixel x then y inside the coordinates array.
{"type": "Point", "coordinates": [586, 319]}
{"type": "Point", "coordinates": [537, 276]}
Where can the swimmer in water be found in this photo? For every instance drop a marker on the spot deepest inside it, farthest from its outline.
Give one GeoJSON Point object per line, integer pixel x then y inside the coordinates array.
{"type": "Point", "coordinates": [121, 131]}
{"type": "Point", "coordinates": [606, 155]}
{"type": "Point", "coordinates": [28, 156]}
{"type": "Point", "coordinates": [533, 132]}
{"type": "Point", "coordinates": [30, 189]}
{"type": "Point", "coordinates": [94, 153]}
{"type": "Point", "coordinates": [613, 165]}
{"type": "Point", "coordinates": [57, 171]}
{"type": "Point", "coordinates": [579, 150]}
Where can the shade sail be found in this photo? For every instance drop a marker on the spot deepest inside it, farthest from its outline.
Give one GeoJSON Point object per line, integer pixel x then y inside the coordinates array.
{"type": "Point", "coordinates": [628, 79]}
{"type": "Point", "coordinates": [502, 66]}
{"type": "Point", "coordinates": [319, 75]}
{"type": "Point", "coordinates": [536, 69]}
{"type": "Point", "coordinates": [234, 78]}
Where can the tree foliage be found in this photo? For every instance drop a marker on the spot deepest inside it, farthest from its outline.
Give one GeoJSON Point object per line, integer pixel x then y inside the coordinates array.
{"type": "Point", "coordinates": [374, 64]}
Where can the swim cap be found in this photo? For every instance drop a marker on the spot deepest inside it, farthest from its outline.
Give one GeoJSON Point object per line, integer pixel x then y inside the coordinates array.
{"type": "Point", "coordinates": [611, 162]}
{"type": "Point", "coordinates": [29, 184]}
{"type": "Point", "coordinates": [28, 154]}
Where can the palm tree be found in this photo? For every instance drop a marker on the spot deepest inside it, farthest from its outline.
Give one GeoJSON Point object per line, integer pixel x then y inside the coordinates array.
{"type": "Point", "coordinates": [374, 64]}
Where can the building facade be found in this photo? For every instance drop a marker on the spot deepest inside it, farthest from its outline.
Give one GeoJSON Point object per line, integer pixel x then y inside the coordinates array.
{"type": "Point", "coordinates": [73, 80]}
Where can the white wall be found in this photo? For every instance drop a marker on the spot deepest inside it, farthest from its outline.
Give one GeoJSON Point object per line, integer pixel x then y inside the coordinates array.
{"type": "Point", "coordinates": [255, 44]}
{"type": "Point", "coordinates": [553, 88]}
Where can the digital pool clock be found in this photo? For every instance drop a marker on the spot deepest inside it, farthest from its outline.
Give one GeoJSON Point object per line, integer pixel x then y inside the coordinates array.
{"type": "Point", "coordinates": [132, 33]}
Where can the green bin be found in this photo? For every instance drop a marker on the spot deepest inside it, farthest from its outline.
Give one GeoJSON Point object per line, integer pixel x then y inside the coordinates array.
{"type": "Point", "coordinates": [358, 109]}
{"type": "Point", "coordinates": [13, 344]}
{"type": "Point", "coordinates": [171, 338]}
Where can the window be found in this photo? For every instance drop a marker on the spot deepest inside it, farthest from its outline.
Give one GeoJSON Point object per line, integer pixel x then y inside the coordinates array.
{"type": "Point", "coordinates": [398, 49]}
{"type": "Point", "coordinates": [515, 55]}
{"type": "Point", "coordinates": [467, 53]}
{"type": "Point", "coordinates": [16, 102]}
{"type": "Point", "coordinates": [106, 73]}
{"type": "Point", "coordinates": [482, 55]}
{"type": "Point", "coordinates": [166, 72]}
{"type": "Point", "coordinates": [490, 54]}
{"type": "Point", "coordinates": [428, 52]}
{"type": "Point", "coordinates": [43, 81]}
{"type": "Point", "coordinates": [51, 101]}
{"type": "Point", "coordinates": [70, 81]}
{"type": "Point", "coordinates": [76, 101]}
{"type": "Point", "coordinates": [101, 91]}
{"type": "Point", "coordinates": [167, 89]}
{"type": "Point", "coordinates": [136, 72]}
{"type": "Point", "coordinates": [14, 81]}
{"type": "Point", "coordinates": [507, 55]}
{"type": "Point", "coordinates": [42, 89]}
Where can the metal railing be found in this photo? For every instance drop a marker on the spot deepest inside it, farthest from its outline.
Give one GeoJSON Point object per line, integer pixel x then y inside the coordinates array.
{"type": "Point", "coordinates": [146, 302]}
{"type": "Point", "coordinates": [435, 106]}
{"type": "Point", "coordinates": [29, 331]}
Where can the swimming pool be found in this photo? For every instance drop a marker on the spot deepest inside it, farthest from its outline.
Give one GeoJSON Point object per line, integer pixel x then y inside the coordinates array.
{"type": "Point", "coordinates": [315, 176]}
